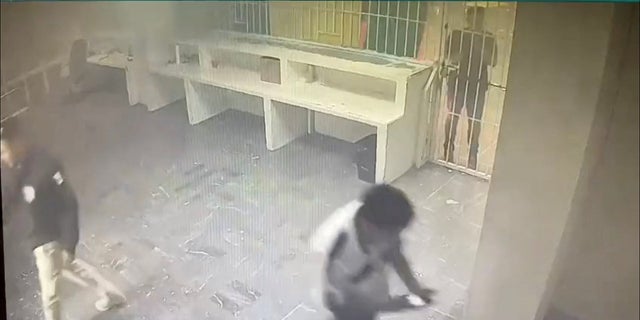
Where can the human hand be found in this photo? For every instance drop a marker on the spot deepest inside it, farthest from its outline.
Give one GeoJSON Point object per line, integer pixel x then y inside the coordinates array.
{"type": "Point", "coordinates": [425, 294]}
{"type": "Point", "coordinates": [415, 301]}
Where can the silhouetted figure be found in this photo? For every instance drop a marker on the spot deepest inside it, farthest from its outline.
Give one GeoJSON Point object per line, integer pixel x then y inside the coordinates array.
{"type": "Point", "coordinates": [471, 52]}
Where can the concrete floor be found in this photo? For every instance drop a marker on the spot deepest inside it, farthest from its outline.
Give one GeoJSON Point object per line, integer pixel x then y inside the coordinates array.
{"type": "Point", "coordinates": [202, 222]}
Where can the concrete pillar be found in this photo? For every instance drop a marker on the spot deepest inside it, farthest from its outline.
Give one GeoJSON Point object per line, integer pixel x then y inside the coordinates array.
{"type": "Point", "coordinates": [598, 277]}
{"type": "Point", "coordinates": [554, 125]}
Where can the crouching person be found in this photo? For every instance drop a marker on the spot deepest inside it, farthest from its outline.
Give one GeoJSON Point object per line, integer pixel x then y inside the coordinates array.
{"type": "Point", "coordinates": [356, 282]}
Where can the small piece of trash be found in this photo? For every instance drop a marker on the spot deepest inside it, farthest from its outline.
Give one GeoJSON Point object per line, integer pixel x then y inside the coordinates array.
{"type": "Point", "coordinates": [164, 191]}
{"type": "Point", "coordinates": [255, 157]}
{"type": "Point", "coordinates": [452, 202]}
{"type": "Point", "coordinates": [449, 170]}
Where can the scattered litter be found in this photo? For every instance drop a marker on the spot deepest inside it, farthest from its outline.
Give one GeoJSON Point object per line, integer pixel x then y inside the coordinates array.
{"type": "Point", "coordinates": [452, 202]}
{"type": "Point", "coordinates": [204, 283]}
{"type": "Point", "coordinates": [226, 303]}
{"type": "Point", "coordinates": [255, 272]}
{"type": "Point", "coordinates": [245, 291]}
{"type": "Point", "coordinates": [215, 298]}
{"type": "Point", "coordinates": [186, 291]}
{"type": "Point", "coordinates": [232, 208]}
{"type": "Point", "coordinates": [449, 170]}
{"type": "Point", "coordinates": [299, 306]}
{"type": "Point", "coordinates": [189, 240]}
{"type": "Point", "coordinates": [97, 277]}
{"type": "Point", "coordinates": [229, 241]}
{"type": "Point", "coordinates": [196, 167]}
{"type": "Point", "coordinates": [8, 92]}
{"type": "Point", "coordinates": [241, 261]}
{"type": "Point", "coordinates": [164, 191]}
{"type": "Point", "coordinates": [15, 114]}
{"type": "Point", "coordinates": [161, 252]}
{"type": "Point", "coordinates": [85, 245]}
{"type": "Point", "coordinates": [256, 157]}
{"type": "Point", "coordinates": [116, 263]}
{"type": "Point", "coordinates": [196, 180]}
{"type": "Point", "coordinates": [200, 253]}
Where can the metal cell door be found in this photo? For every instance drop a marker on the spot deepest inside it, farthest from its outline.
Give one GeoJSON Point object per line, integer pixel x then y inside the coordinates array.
{"type": "Point", "coordinates": [475, 49]}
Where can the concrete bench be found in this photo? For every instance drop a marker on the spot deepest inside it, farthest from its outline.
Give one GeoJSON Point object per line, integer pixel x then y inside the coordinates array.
{"type": "Point", "coordinates": [309, 87]}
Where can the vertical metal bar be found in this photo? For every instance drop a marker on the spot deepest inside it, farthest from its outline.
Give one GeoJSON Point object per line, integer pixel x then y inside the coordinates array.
{"type": "Point", "coordinates": [508, 43]}
{"type": "Point", "coordinates": [466, 87]}
{"type": "Point", "coordinates": [386, 27]}
{"type": "Point", "coordinates": [326, 17]}
{"type": "Point", "coordinates": [250, 21]}
{"type": "Point", "coordinates": [268, 17]}
{"type": "Point", "coordinates": [302, 23]}
{"type": "Point", "coordinates": [440, 47]}
{"type": "Point", "coordinates": [235, 12]}
{"type": "Point", "coordinates": [249, 17]}
{"type": "Point", "coordinates": [333, 17]}
{"type": "Point", "coordinates": [475, 102]}
{"type": "Point", "coordinates": [344, 29]}
{"type": "Point", "coordinates": [177, 48]}
{"type": "Point", "coordinates": [456, 83]}
{"type": "Point", "coordinates": [415, 45]}
{"type": "Point", "coordinates": [472, 34]}
{"type": "Point", "coordinates": [350, 20]}
{"type": "Point", "coordinates": [395, 39]}
{"type": "Point", "coordinates": [370, 11]}
{"type": "Point", "coordinates": [466, 84]}
{"type": "Point", "coordinates": [406, 33]}
{"type": "Point", "coordinates": [423, 35]}
{"type": "Point", "coordinates": [259, 18]}
{"type": "Point", "coordinates": [377, 23]}
{"type": "Point", "coordinates": [444, 32]}
{"type": "Point", "coordinates": [315, 35]}
{"type": "Point", "coordinates": [246, 15]}
{"type": "Point", "coordinates": [256, 17]}
{"type": "Point", "coordinates": [308, 18]}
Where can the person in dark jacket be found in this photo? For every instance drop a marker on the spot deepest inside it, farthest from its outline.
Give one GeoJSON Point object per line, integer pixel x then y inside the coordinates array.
{"type": "Point", "coordinates": [471, 52]}
{"type": "Point", "coordinates": [356, 282]}
{"type": "Point", "coordinates": [40, 188]}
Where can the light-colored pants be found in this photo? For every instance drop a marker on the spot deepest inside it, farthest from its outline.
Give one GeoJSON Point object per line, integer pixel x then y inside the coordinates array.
{"type": "Point", "coordinates": [53, 264]}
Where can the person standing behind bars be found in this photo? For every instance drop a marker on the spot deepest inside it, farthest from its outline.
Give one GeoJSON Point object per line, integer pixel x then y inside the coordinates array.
{"type": "Point", "coordinates": [469, 52]}
{"type": "Point", "coordinates": [42, 190]}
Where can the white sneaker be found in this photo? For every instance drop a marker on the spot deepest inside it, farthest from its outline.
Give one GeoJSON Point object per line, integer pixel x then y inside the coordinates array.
{"type": "Point", "coordinates": [108, 302]}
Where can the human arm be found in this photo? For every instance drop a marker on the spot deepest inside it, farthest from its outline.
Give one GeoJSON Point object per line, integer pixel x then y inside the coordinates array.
{"type": "Point", "coordinates": [402, 268]}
